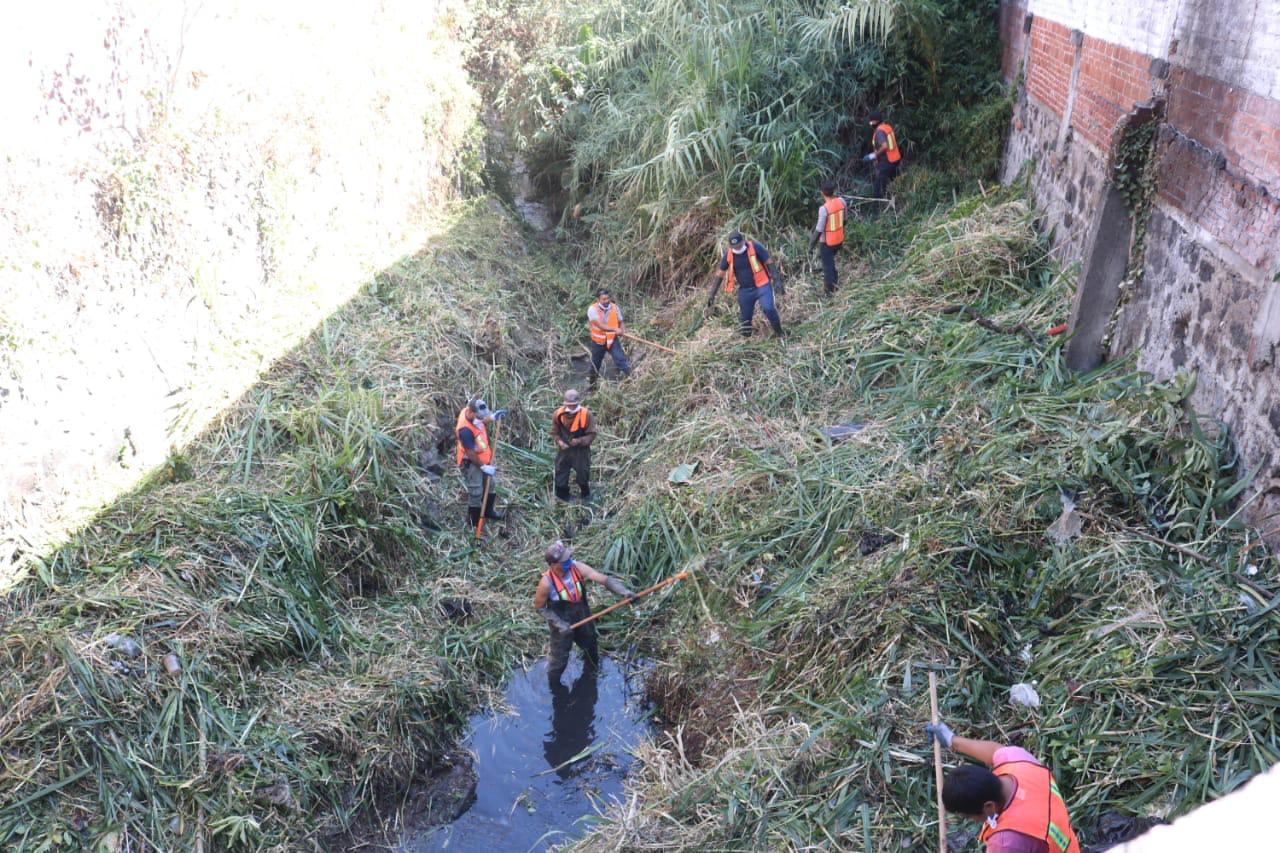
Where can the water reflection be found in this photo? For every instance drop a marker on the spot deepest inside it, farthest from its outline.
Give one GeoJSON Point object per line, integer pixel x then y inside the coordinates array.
{"type": "Point", "coordinates": [545, 766]}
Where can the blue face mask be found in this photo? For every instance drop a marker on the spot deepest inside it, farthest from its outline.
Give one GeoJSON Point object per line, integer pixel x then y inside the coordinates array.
{"type": "Point", "coordinates": [565, 566]}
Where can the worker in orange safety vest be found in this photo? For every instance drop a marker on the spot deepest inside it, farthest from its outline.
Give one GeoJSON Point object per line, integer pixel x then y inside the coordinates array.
{"type": "Point", "coordinates": [829, 234]}
{"type": "Point", "coordinates": [746, 267]}
{"type": "Point", "coordinates": [1017, 801]}
{"type": "Point", "coordinates": [604, 318]}
{"type": "Point", "coordinates": [475, 458]}
{"type": "Point", "coordinates": [885, 152]}
{"type": "Point", "coordinates": [574, 429]}
{"type": "Point", "coordinates": [561, 599]}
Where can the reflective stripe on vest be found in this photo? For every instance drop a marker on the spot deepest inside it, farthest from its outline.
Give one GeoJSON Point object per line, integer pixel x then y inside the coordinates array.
{"type": "Point", "coordinates": [1037, 809]}
{"type": "Point", "coordinates": [579, 420]}
{"type": "Point", "coordinates": [892, 154]}
{"type": "Point", "coordinates": [483, 451]}
{"type": "Point", "coordinates": [561, 592]}
{"type": "Point", "coordinates": [758, 271]}
{"type": "Point", "coordinates": [834, 235]}
{"type": "Point", "coordinates": [598, 334]}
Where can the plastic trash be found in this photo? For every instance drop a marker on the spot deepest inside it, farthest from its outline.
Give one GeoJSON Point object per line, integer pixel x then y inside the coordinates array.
{"type": "Point", "coordinates": [1068, 525]}
{"type": "Point", "coordinates": [682, 473]}
{"type": "Point", "coordinates": [1025, 695]}
{"type": "Point", "coordinates": [839, 432]}
{"type": "Point", "coordinates": [124, 645]}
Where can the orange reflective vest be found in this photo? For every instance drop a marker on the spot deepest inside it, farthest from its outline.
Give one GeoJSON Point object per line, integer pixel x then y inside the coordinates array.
{"type": "Point", "coordinates": [892, 153]}
{"type": "Point", "coordinates": [834, 235]}
{"type": "Point", "coordinates": [757, 269]}
{"type": "Point", "coordinates": [559, 590]}
{"type": "Point", "coordinates": [1037, 809]}
{"type": "Point", "coordinates": [483, 451]}
{"type": "Point", "coordinates": [579, 420]}
{"type": "Point", "coordinates": [611, 321]}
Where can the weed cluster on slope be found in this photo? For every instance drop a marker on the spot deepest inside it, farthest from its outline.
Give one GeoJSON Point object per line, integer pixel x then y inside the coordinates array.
{"type": "Point", "coordinates": [832, 576]}
{"type": "Point", "coordinates": [306, 562]}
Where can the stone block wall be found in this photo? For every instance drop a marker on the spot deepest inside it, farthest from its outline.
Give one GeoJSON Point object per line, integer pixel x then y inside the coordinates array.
{"type": "Point", "coordinates": [1210, 262]}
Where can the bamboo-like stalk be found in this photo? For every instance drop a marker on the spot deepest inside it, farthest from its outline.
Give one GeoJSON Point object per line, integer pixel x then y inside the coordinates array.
{"type": "Point", "coordinates": [937, 763]}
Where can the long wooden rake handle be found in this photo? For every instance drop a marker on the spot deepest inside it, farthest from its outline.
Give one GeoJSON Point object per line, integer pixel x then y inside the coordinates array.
{"type": "Point", "coordinates": [641, 340]}
{"type": "Point", "coordinates": [488, 481]}
{"type": "Point", "coordinates": [641, 594]}
{"type": "Point", "coordinates": [937, 763]}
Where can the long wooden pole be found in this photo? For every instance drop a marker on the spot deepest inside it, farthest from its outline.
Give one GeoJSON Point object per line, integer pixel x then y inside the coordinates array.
{"type": "Point", "coordinates": [937, 763]}
{"type": "Point", "coordinates": [624, 602]}
{"type": "Point", "coordinates": [641, 340]}
{"type": "Point", "coordinates": [488, 481]}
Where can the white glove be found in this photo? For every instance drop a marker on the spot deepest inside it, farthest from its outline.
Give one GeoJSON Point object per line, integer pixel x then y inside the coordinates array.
{"type": "Point", "coordinates": [488, 470]}
{"type": "Point", "coordinates": [870, 157]}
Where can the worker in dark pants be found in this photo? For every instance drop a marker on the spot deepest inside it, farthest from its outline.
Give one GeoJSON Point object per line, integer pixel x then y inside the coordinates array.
{"type": "Point", "coordinates": [573, 428]}
{"type": "Point", "coordinates": [561, 599]}
{"type": "Point", "coordinates": [828, 234]}
{"type": "Point", "coordinates": [885, 153]}
{"type": "Point", "coordinates": [475, 459]}
{"type": "Point", "coordinates": [754, 279]}
{"type": "Point", "coordinates": [604, 318]}
{"type": "Point", "coordinates": [1016, 801]}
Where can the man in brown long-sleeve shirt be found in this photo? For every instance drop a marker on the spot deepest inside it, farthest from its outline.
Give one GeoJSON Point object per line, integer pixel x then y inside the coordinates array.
{"type": "Point", "coordinates": [573, 429]}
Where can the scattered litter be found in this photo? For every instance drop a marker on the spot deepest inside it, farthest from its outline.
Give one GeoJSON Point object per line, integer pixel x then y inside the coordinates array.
{"type": "Point", "coordinates": [683, 473]}
{"type": "Point", "coordinates": [171, 664]}
{"type": "Point", "coordinates": [839, 432]}
{"type": "Point", "coordinates": [1251, 570]}
{"type": "Point", "coordinates": [1025, 654]}
{"type": "Point", "coordinates": [124, 645]}
{"type": "Point", "coordinates": [1068, 525]}
{"type": "Point", "coordinates": [1249, 603]}
{"type": "Point", "coordinates": [1025, 695]}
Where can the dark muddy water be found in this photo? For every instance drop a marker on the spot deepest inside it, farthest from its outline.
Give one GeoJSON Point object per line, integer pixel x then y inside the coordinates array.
{"type": "Point", "coordinates": [531, 793]}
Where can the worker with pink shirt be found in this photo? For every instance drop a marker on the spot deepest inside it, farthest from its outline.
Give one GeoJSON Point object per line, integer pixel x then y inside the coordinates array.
{"type": "Point", "coordinates": [1017, 800]}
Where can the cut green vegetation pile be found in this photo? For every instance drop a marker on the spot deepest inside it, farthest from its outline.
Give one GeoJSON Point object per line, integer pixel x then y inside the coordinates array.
{"type": "Point", "coordinates": [334, 625]}
{"type": "Point", "coordinates": [998, 519]}
{"type": "Point", "coordinates": [307, 566]}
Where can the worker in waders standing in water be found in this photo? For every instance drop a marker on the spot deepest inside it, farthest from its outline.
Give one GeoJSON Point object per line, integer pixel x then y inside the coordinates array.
{"type": "Point", "coordinates": [885, 153]}
{"type": "Point", "coordinates": [573, 428]}
{"type": "Point", "coordinates": [746, 265]}
{"type": "Point", "coordinates": [829, 234]}
{"type": "Point", "coordinates": [1017, 801]}
{"type": "Point", "coordinates": [561, 599]}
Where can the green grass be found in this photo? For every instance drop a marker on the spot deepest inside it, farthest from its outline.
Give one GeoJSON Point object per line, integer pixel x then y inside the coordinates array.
{"type": "Point", "coordinates": [299, 557]}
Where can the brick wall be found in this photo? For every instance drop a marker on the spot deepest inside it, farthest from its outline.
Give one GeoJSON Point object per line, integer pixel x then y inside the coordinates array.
{"type": "Point", "coordinates": [1207, 300]}
{"type": "Point", "coordinates": [1112, 79]}
{"type": "Point", "coordinates": [1049, 65]}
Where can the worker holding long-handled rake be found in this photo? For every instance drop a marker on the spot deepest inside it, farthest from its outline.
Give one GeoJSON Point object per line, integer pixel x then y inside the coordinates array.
{"type": "Point", "coordinates": [561, 599]}
{"type": "Point", "coordinates": [1017, 801]}
{"type": "Point", "coordinates": [475, 461]}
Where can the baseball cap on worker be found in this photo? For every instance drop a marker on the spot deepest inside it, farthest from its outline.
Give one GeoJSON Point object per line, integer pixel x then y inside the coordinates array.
{"type": "Point", "coordinates": [557, 552]}
{"type": "Point", "coordinates": [737, 242]}
{"type": "Point", "coordinates": [875, 116]}
{"type": "Point", "coordinates": [572, 399]}
{"type": "Point", "coordinates": [480, 407]}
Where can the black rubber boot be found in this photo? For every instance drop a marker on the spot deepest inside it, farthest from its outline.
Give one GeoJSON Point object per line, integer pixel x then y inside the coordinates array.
{"type": "Point", "coordinates": [473, 515]}
{"type": "Point", "coordinates": [490, 511]}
